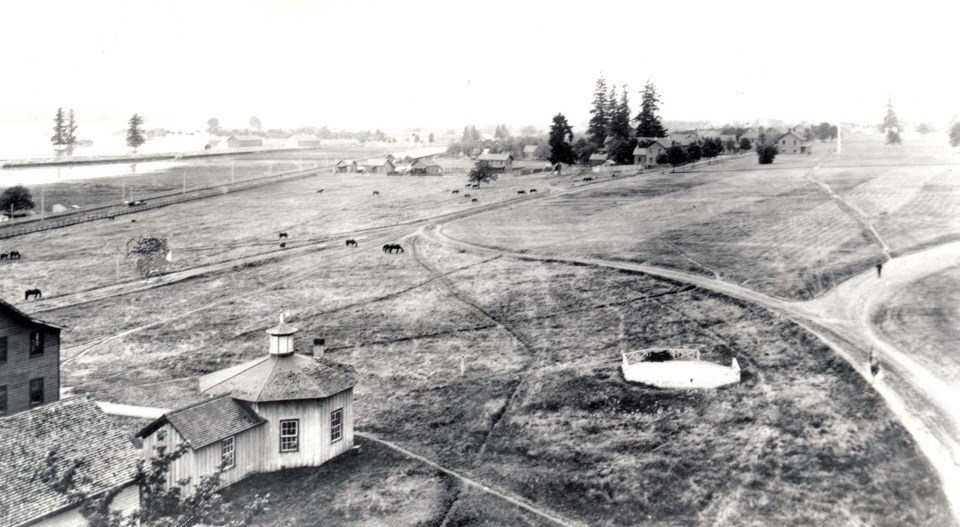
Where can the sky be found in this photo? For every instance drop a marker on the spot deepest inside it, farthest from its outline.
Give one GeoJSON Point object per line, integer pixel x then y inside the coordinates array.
{"type": "Point", "coordinates": [444, 64]}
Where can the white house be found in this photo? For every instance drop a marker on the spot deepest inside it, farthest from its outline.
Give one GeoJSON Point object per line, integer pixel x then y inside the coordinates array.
{"type": "Point", "coordinates": [303, 141]}
{"type": "Point", "coordinates": [282, 410]}
{"type": "Point", "coordinates": [244, 141]}
{"type": "Point", "coordinates": [792, 143]}
{"type": "Point", "coordinates": [647, 156]}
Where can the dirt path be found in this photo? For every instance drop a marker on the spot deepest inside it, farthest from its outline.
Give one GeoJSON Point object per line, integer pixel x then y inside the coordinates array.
{"type": "Point", "coordinates": [519, 502]}
{"type": "Point", "coordinates": [842, 320]}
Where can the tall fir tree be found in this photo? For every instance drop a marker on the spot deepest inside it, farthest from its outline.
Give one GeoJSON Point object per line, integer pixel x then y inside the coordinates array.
{"type": "Point", "coordinates": [59, 128]}
{"type": "Point", "coordinates": [891, 125]}
{"type": "Point", "coordinates": [70, 132]}
{"type": "Point", "coordinates": [611, 112]}
{"type": "Point", "coordinates": [135, 132]}
{"type": "Point", "coordinates": [648, 120]}
{"type": "Point", "coordinates": [597, 127]}
{"type": "Point", "coordinates": [561, 135]}
{"type": "Point", "coordinates": [620, 118]}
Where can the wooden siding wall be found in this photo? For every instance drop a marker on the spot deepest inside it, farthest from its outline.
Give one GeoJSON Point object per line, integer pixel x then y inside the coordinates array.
{"type": "Point", "coordinates": [195, 464]}
{"type": "Point", "coordinates": [127, 501]}
{"type": "Point", "coordinates": [20, 367]}
{"type": "Point", "coordinates": [314, 415]}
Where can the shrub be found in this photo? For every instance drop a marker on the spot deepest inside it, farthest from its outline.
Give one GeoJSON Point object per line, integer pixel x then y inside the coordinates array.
{"type": "Point", "coordinates": [766, 153]}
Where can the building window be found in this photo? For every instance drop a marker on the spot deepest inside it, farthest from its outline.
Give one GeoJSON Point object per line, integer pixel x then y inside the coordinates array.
{"type": "Point", "coordinates": [36, 391]}
{"type": "Point", "coordinates": [336, 425]}
{"type": "Point", "coordinates": [290, 435]}
{"type": "Point", "coordinates": [36, 343]}
{"type": "Point", "coordinates": [3, 400]}
{"type": "Point", "coordinates": [3, 349]}
{"type": "Point", "coordinates": [227, 457]}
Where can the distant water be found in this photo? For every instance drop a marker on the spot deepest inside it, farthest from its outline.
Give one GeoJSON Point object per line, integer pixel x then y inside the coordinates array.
{"type": "Point", "coordinates": [30, 140]}
{"type": "Point", "coordinates": [44, 175]}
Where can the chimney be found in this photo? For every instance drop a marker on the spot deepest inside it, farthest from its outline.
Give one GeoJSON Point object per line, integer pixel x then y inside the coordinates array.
{"type": "Point", "coordinates": [319, 348]}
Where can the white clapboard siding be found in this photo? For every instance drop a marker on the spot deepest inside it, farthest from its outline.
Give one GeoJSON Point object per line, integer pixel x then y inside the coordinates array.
{"type": "Point", "coordinates": [314, 415]}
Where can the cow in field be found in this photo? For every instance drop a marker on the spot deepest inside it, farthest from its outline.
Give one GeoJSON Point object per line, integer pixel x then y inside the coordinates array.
{"type": "Point", "coordinates": [3, 256]}
{"type": "Point", "coordinates": [521, 192]}
{"type": "Point", "coordinates": [35, 293]}
{"type": "Point", "coordinates": [319, 191]}
{"type": "Point", "coordinates": [351, 243]}
{"type": "Point", "coordinates": [283, 245]}
{"type": "Point", "coordinates": [477, 185]}
{"type": "Point", "coordinates": [392, 247]}
{"type": "Point", "coordinates": [283, 236]}
{"type": "Point", "coordinates": [588, 179]}
{"type": "Point", "coordinates": [466, 195]}
{"type": "Point", "coordinates": [376, 192]}
{"type": "Point", "coordinates": [533, 190]}
{"type": "Point", "coordinates": [474, 200]}
{"type": "Point", "coordinates": [456, 191]}
{"type": "Point", "coordinates": [14, 255]}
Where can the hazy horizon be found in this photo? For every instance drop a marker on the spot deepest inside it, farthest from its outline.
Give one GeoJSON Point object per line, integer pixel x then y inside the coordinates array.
{"type": "Point", "coordinates": [436, 66]}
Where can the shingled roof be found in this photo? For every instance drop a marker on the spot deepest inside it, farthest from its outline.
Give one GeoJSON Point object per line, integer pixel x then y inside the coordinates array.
{"type": "Point", "coordinates": [209, 421]}
{"type": "Point", "coordinates": [13, 310]}
{"type": "Point", "coordinates": [280, 378]}
{"type": "Point", "coordinates": [75, 429]}
{"type": "Point", "coordinates": [495, 157]}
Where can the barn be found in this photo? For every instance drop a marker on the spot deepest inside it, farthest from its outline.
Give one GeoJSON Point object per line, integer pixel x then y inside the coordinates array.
{"type": "Point", "coordinates": [60, 435]}
{"type": "Point", "coordinates": [244, 141]}
{"type": "Point", "coordinates": [303, 141]}
{"type": "Point", "coordinates": [282, 410]}
{"type": "Point", "coordinates": [530, 152]}
{"type": "Point", "coordinates": [346, 166]}
{"type": "Point", "coordinates": [29, 361]}
{"type": "Point", "coordinates": [599, 159]}
{"type": "Point", "coordinates": [379, 166]}
{"type": "Point", "coordinates": [497, 162]}
{"type": "Point", "coordinates": [425, 166]}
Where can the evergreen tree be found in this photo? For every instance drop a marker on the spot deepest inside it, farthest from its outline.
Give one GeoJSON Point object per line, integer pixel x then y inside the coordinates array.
{"type": "Point", "coordinates": [611, 110]}
{"type": "Point", "coordinates": [135, 133]}
{"type": "Point", "coordinates": [620, 118]}
{"type": "Point", "coordinates": [213, 125]}
{"type": "Point", "coordinates": [70, 133]}
{"type": "Point", "coordinates": [59, 130]}
{"type": "Point", "coordinates": [955, 134]}
{"type": "Point", "coordinates": [597, 127]}
{"type": "Point", "coordinates": [561, 134]}
{"type": "Point", "coordinates": [891, 126]}
{"type": "Point", "coordinates": [648, 122]}
{"type": "Point", "coordinates": [694, 152]}
{"type": "Point", "coordinates": [255, 122]}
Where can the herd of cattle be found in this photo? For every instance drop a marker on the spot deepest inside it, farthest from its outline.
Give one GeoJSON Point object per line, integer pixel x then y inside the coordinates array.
{"type": "Point", "coordinates": [12, 255]}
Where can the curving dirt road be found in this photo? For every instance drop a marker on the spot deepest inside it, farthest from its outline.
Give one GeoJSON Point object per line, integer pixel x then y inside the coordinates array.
{"type": "Point", "coordinates": [925, 405]}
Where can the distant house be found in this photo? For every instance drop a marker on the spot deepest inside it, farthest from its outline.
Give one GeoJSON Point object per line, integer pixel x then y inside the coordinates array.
{"type": "Point", "coordinates": [402, 168]}
{"type": "Point", "coordinates": [379, 166]}
{"type": "Point", "coordinates": [303, 141]}
{"type": "Point", "coordinates": [497, 162]}
{"type": "Point", "coordinates": [346, 165]}
{"type": "Point", "coordinates": [73, 431]}
{"type": "Point", "coordinates": [684, 138]}
{"type": "Point", "coordinates": [647, 156]}
{"type": "Point", "coordinates": [425, 166]}
{"type": "Point", "coordinates": [244, 141]}
{"type": "Point", "coordinates": [792, 143]}
{"type": "Point", "coordinates": [598, 159]}
{"type": "Point", "coordinates": [530, 152]}
{"type": "Point", "coordinates": [29, 361]}
{"type": "Point", "coordinates": [282, 410]}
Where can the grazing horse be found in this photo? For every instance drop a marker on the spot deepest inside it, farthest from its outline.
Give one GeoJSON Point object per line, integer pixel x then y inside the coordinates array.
{"type": "Point", "coordinates": [319, 191]}
{"type": "Point", "coordinates": [376, 192]}
{"type": "Point", "coordinates": [456, 191]}
{"type": "Point", "coordinates": [533, 190]}
{"type": "Point", "coordinates": [392, 247]}
{"type": "Point", "coordinates": [351, 243]}
{"type": "Point", "coordinates": [588, 179]}
{"type": "Point", "coordinates": [521, 192]}
{"type": "Point", "coordinates": [3, 256]}
{"type": "Point", "coordinates": [283, 236]}
{"type": "Point", "coordinates": [14, 255]}
{"type": "Point", "coordinates": [283, 245]}
{"type": "Point", "coordinates": [112, 217]}
{"type": "Point", "coordinates": [474, 200]}
{"type": "Point", "coordinates": [35, 293]}
{"type": "Point", "coordinates": [469, 185]}
{"type": "Point", "coordinates": [466, 195]}
{"type": "Point", "coordinates": [476, 185]}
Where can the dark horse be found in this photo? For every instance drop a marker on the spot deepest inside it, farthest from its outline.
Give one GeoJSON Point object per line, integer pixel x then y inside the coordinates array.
{"type": "Point", "coordinates": [521, 192]}
{"type": "Point", "coordinates": [533, 190]}
{"type": "Point", "coordinates": [376, 192]}
{"type": "Point", "coordinates": [14, 255]}
{"type": "Point", "coordinates": [283, 245]}
{"type": "Point", "coordinates": [283, 236]}
{"type": "Point", "coordinates": [392, 247]}
{"type": "Point", "coordinates": [456, 191]}
{"type": "Point", "coordinates": [3, 256]}
{"type": "Point", "coordinates": [351, 243]}
{"type": "Point", "coordinates": [35, 293]}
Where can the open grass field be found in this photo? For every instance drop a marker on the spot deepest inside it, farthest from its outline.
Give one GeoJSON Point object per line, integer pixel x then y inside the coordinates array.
{"type": "Point", "coordinates": [507, 371]}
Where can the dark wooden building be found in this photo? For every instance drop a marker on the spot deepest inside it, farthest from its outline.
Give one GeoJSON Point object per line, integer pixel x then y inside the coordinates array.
{"type": "Point", "coordinates": [29, 361]}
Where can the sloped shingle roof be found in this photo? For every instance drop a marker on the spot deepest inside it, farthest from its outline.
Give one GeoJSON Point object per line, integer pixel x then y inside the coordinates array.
{"type": "Point", "coordinates": [495, 157]}
{"type": "Point", "coordinates": [280, 378]}
{"type": "Point", "coordinates": [598, 157]}
{"type": "Point", "coordinates": [208, 421]}
{"type": "Point", "coordinates": [424, 163]}
{"type": "Point", "coordinates": [376, 162]}
{"type": "Point", "coordinates": [11, 309]}
{"type": "Point", "coordinates": [246, 137]}
{"type": "Point", "coordinates": [529, 149]}
{"type": "Point", "coordinates": [76, 429]}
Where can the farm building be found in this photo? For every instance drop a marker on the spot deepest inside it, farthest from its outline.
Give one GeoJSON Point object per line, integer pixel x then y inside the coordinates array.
{"type": "Point", "coordinates": [646, 156]}
{"type": "Point", "coordinates": [530, 152]}
{"type": "Point", "coordinates": [379, 166]}
{"type": "Point", "coordinates": [75, 430]}
{"type": "Point", "coordinates": [677, 368]}
{"type": "Point", "coordinates": [497, 162]}
{"type": "Point", "coordinates": [346, 165]}
{"type": "Point", "coordinates": [244, 141]}
{"type": "Point", "coordinates": [792, 143]}
{"type": "Point", "coordinates": [303, 141]}
{"type": "Point", "coordinates": [420, 153]}
{"type": "Point", "coordinates": [684, 138]}
{"type": "Point", "coordinates": [29, 361]}
{"type": "Point", "coordinates": [282, 410]}
{"type": "Point", "coordinates": [58, 208]}
{"type": "Point", "coordinates": [599, 159]}
{"type": "Point", "coordinates": [402, 168]}
{"type": "Point", "coordinates": [426, 166]}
